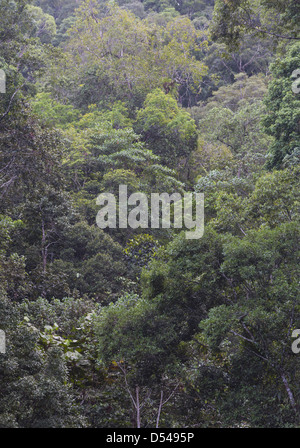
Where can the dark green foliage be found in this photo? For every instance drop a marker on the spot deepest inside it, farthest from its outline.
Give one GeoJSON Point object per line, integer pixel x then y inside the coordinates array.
{"type": "Point", "coordinates": [234, 19]}
{"type": "Point", "coordinates": [283, 118]}
{"type": "Point", "coordinates": [123, 328]}
{"type": "Point", "coordinates": [34, 390]}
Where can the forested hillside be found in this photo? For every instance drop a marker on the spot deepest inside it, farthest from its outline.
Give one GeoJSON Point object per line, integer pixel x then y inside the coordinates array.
{"type": "Point", "coordinates": [144, 328]}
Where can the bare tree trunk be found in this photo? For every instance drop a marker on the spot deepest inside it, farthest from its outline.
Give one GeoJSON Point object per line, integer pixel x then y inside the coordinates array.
{"type": "Point", "coordinates": [138, 417]}
{"type": "Point", "coordinates": [160, 408]}
{"type": "Point", "coordinates": [289, 392]}
{"type": "Point", "coordinates": [162, 403]}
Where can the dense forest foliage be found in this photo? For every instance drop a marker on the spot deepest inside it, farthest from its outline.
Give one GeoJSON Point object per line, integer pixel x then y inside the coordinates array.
{"type": "Point", "coordinates": [124, 328]}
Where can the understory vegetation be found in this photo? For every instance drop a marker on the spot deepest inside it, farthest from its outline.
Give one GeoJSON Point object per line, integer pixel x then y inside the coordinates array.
{"type": "Point", "coordinates": [123, 328]}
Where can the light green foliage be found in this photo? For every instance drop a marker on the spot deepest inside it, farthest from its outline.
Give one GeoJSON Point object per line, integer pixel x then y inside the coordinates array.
{"type": "Point", "coordinates": [123, 328]}
{"type": "Point", "coordinates": [233, 203]}
{"type": "Point", "coordinates": [232, 117]}
{"type": "Point", "coordinates": [53, 112]}
{"type": "Point", "coordinates": [114, 178]}
{"type": "Point", "coordinates": [121, 148]}
{"type": "Point", "coordinates": [275, 199]}
{"type": "Point", "coordinates": [148, 56]}
{"type": "Point", "coordinates": [44, 23]}
{"type": "Point", "coordinates": [168, 130]}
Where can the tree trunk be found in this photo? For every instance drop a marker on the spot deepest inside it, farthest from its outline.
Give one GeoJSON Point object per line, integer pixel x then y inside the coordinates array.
{"type": "Point", "coordinates": [160, 408]}
{"type": "Point", "coordinates": [289, 392]}
{"type": "Point", "coordinates": [138, 417]}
